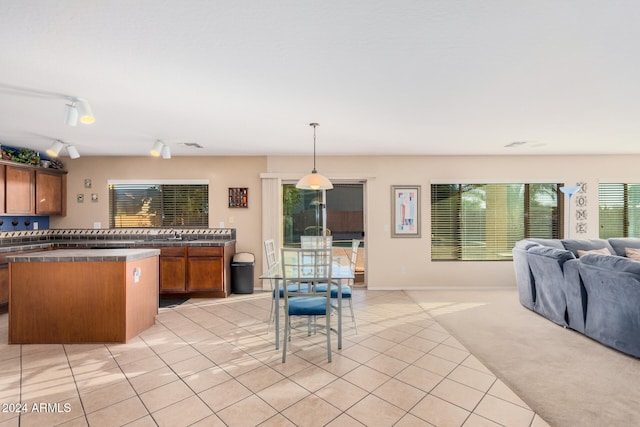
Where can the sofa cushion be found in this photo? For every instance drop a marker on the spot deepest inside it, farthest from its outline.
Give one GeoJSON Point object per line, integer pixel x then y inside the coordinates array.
{"type": "Point", "coordinates": [633, 253]}
{"type": "Point", "coordinates": [574, 245]}
{"type": "Point", "coordinates": [603, 251]}
{"type": "Point", "coordinates": [619, 244]}
{"type": "Point", "coordinates": [553, 243]}
{"type": "Point", "coordinates": [559, 255]}
{"type": "Point", "coordinates": [525, 244]}
{"type": "Point", "coordinates": [616, 263]}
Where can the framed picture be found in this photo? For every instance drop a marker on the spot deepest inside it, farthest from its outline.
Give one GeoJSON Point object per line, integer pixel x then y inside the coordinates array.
{"type": "Point", "coordinates": [405, 210]}
{"type": "Point", "coordinates": [238, 197]}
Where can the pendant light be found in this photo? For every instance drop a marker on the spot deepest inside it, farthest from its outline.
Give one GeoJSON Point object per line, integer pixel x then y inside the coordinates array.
{"type": "Point", "coordinates": [314, 181]}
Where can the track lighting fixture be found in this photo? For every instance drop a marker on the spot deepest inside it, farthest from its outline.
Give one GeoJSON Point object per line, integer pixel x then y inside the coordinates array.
{"type": "Point", "coordinates": [156, 150]}
{"type": "Point", "coordinates": [160, 149]}
{"type": "Point", "coordinates": [71, 115]}
{"type": "Point", "coordinates": [72, 151]}
{"type": "Point", "coordinates": [85, 115]}
{"type": "Point", "coordinates": [58, 145]}
{"type": "Point", "coordinates": [166, 152]}
{"type": "Point", "coordinates": [55, 148]}
{"type": "Point", "coordinates": [78, 110]}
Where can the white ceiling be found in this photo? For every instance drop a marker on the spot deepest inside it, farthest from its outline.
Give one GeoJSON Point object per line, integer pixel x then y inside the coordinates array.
{"type": "Point", "coordinates": [380, 76]}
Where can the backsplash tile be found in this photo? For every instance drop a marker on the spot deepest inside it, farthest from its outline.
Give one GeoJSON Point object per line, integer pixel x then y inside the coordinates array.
{"type": "Point", "coordinates": [29, 236]}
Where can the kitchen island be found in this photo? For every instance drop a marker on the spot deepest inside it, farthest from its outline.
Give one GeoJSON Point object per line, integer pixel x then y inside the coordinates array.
{"type": "Point", "coordinates": [82, 295]}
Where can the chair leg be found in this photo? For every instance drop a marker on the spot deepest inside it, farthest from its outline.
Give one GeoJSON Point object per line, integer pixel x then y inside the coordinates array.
{"type": "Point", "coordinates": [328, 331]}
{"type": "Point", "coordinates": [271, 314]}
{"type": "Point", "coordinates": [353, 315]}
{"type": "Point", "coordinates": [285, 338]}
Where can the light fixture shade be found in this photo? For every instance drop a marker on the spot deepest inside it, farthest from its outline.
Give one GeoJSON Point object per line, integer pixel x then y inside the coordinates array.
{"type": "Point", "coordinates": [85, 115]}
{"type": "Point", "coordinates": [570, 190]}
{"type": "Point", "coordinates": [55, 148]}
{"type": "Point", "coordinates": [314, 181]}
{"type": "Point", "coordinates": [166, 152]}
{"type": "Point", "coordinates": [71, 114]}
{"type": "Point", "coordinates": [156, 150]}
{"type": "Point", "coordinates": [73, 152]}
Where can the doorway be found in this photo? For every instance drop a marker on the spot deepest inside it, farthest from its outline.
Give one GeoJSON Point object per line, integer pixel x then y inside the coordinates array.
{"type": "Point", "coordinates": [338, 212]}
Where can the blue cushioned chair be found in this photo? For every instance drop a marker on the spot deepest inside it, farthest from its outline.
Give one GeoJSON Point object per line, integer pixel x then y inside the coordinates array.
{"type": "Point", "coordinates": [302, 270]}
{"type": "Point", "coordinates": [347, 289]}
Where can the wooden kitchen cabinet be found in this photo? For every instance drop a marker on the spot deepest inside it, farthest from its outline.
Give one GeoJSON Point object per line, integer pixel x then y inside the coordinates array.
{"type": "Point", "coordinates": [196, 271]}
{"type": "Point", "coordinates": [19, 190]}
{"type": "Point", "coordinates": [2, 189]}
{"type": "Point", "coordinates": [206, 269]}
{"type": "Point", "coordinates": [30, 190]}
{"type": "Point", "coordinates": [4, 277]}
{"type": "Point", "coordinates": [173, 270]}
{"type": "Point", "coordinates": [51, 198]}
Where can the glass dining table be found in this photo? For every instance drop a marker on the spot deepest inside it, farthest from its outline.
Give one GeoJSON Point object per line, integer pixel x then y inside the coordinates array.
{"type": "Point", "coordinates": [340, 272]}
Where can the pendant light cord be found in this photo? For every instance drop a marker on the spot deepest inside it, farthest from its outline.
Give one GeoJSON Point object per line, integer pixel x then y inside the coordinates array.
{"type": "Point", "coordinates": [314, 146]}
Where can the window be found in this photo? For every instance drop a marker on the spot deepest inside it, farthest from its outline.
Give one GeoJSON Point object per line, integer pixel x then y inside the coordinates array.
{"type": "Point", "coordinates": [474, 222]}
{"type": "Point", "coordinates": [619, 206]}
{"type": "Point", "coordinates": [158, 205]}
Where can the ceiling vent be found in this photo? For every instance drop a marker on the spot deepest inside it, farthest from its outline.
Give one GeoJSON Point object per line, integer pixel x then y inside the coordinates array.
{"type": "Point", "coordinates": [191, 144]}
{"type": "Point", "coordinates": [515, 144]}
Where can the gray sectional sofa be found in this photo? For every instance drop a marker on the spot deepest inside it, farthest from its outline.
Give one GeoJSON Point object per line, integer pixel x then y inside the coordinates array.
{"type": "Point", "coordinates": [571, 284]}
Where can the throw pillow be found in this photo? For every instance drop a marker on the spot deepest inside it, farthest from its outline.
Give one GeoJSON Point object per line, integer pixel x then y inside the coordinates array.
{"type": "Point", "coordinates": [603, 251]}
{"type": "Point", "coordinates": [633, 253]}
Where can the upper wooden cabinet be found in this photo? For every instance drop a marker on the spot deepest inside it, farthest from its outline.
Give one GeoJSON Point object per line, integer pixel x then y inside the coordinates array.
{"type": "Point", "coordinates": [2, 189]}
{"type": "Point", "coordinates": [50, 193]}
{"type": "Point", "coordinates": [29, 190]}
{"type": "Point", "coordinates": [19, 190]}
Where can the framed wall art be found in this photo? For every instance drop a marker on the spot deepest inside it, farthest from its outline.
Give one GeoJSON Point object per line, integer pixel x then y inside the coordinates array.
{"type": "Point", "coordinates": [405, 210]}
{"type": "Point", "coordinates": [238, 197]}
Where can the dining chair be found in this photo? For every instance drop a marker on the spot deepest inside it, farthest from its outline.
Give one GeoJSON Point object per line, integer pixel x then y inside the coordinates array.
{"type": "Point", "coordinates": [347, 288]}
{"type": "Point", "coordinates": [271, 257]}
{"type": "Point", "coordinates": [313, 242]}
{"type": "Point", "coordinates": [302, 271]}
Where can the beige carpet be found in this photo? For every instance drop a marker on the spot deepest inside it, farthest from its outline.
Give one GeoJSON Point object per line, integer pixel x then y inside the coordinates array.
{"type": "Point", "coordinates": [567, 378]}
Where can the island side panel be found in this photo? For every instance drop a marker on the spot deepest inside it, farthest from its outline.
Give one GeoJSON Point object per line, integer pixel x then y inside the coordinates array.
{"type": "Point", "coordinates": [66, 302]}
{"type": "Point", "coordinates": [142, 297]}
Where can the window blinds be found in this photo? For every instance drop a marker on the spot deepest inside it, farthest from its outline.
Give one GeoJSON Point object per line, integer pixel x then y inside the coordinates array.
{"type": "Point", "coordinates": [483, 221]}
{"type": "Point", "coordinates": [158, 205]}
{"type": "Point", "coordinates": [619, 210]}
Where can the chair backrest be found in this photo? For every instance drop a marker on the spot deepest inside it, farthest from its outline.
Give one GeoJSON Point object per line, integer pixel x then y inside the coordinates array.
{"type": "Point", "coordinates": [355, 245]}
{"type": "Point", "coordinates": [305, 268]}
{"type": "Point", "coordinates": [314, 230]}
{"type": "Point", "coordinates": [270, 253]}
{"type": "Point", "coordinates": [316, 242]}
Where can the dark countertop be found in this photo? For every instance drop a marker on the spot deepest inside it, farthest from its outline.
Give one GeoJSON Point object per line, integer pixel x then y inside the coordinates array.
{"type": "Point", "coordinates": [113, 244]}
{"type": "Point", "coordinates": [78, 255]}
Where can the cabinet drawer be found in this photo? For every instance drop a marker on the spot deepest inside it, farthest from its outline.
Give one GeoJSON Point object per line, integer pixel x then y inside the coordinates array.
{"type": "Point", "coordinates": [205, 250]}
{"type": "Point", "coordinates": [172, 251]}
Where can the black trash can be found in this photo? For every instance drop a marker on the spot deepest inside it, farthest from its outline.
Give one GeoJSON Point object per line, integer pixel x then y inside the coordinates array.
{"type": "Point", "coordinates": [242, 273]}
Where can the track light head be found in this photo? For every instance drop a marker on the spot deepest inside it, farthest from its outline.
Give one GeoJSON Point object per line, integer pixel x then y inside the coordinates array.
{"type": "Point", "coordinates": [71, 114]}
{"type": "Point", "coordinates": [55, 148]}
{"type": "Point", "coordinates": [73, 152]}
{"type": "Point", "coordinates": [166, 152]}
{"type": "Point", "coordinates": [85, 115]}
{"type": "Point", "coordinates": [156, 150]}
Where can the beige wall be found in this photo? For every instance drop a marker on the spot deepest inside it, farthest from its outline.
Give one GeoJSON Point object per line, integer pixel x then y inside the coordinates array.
{"type": "Point", "coordinates": [222, 173]}
{"type": "Point", "coordinates": [391, 263]}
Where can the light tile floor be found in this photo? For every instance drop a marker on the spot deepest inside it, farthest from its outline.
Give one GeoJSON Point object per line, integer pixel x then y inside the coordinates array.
{"type": "Point", "coordinates": [212, 363]}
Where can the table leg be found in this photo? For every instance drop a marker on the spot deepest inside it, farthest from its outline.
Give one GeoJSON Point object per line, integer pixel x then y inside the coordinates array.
{"type": "Point", "coordinates": [277, 313]}
{"type": "Point", "coordinates": [339, 314]}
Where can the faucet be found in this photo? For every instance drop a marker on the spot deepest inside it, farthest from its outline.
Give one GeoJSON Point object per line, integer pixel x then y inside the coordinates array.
{"type": "Point", "coordinates": [176, 235]}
